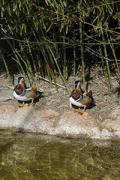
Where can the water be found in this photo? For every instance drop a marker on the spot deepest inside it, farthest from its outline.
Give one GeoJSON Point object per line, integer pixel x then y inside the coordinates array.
{"type": "Point", "coordinates": [34, 157]}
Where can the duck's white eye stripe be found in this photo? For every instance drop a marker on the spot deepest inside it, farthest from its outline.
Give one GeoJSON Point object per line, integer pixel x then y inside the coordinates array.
{"type": "Point", "coordinates": [21, 80]}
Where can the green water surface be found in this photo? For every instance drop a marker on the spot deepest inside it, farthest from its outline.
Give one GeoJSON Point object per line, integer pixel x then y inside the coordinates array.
{"type": "Point", "coordinates": [33, 157]}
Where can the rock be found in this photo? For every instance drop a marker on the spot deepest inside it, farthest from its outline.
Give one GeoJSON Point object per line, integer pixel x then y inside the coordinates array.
{"type": "Point", "coordinates": [69, 124]}
{"type": "Point", "coordinates": [5, 94]}
{"type": "Point", "coordinates": [112, 123]}
{"type": "Point", "coordinates": [6, 114]}
{"type": "Point", "coordinates": [72, 124]}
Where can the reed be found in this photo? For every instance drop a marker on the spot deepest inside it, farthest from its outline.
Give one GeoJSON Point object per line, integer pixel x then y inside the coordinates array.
{"type": "Point", "coordinates": [82, 51]}
{"type": "Point", "coordinates": [106, 61]}
{"type": "Point", "coordinates": [53, 38]}
{"type": "Point", "coordinates": [6, 66]}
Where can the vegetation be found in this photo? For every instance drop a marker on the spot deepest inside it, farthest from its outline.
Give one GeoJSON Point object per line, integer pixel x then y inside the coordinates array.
{"type": "Point", "coordinates": [60, 37]}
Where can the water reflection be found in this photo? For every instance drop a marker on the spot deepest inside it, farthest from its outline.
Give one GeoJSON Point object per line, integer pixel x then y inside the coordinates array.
{"type": "Point", "coordinates": [30, 156]}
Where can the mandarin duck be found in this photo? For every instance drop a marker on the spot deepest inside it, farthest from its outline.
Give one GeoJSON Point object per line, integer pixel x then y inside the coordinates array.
{"type": "Point", "coordinates": [20, 87]}
{"type": "Point", "coordinates": [80, 98]}
{"type": "Point", "coordinates": [24, 94]}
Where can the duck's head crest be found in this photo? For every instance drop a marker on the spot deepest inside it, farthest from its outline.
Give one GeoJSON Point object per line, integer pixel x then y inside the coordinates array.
{"type": "Point", "coordinates": [77, 84]}
{"type": "Point", "coordinates": [20, 80]}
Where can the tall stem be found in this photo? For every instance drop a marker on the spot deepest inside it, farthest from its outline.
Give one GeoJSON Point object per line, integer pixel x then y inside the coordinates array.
{"type": "Point", "coordinates": [82, 45]}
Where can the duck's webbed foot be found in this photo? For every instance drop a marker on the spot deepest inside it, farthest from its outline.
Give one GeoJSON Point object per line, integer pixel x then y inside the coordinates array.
{"type": "Point", "coordinates": [33, 102]}
{"type": "Point", "coordinates": [21, 104]}
{"type": "Point", "coordinates": [84, 108]}
{"type": "Point", "coordinates": [79, 110]}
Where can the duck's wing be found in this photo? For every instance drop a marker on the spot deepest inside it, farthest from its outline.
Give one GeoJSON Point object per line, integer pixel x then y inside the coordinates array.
{"type": "Point", "coordinates": [28, 93]}
{"type": "Point", "coordinates": [87, 100]}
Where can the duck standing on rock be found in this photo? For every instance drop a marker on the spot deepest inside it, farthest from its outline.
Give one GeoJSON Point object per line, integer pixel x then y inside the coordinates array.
{"type": "Point", "coordinates": [80, 98]}
{"type": "Point", "coordinates": [20, 87]}
{"type": "Point", "coordinates": [24, 94]}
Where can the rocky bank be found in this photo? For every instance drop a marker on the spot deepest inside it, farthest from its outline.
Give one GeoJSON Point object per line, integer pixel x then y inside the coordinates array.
{"type": "Point", "coordinates": [51, 115]}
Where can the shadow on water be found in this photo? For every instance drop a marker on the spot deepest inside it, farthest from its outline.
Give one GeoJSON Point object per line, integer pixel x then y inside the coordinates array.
{"type": "Point", "coordinates": [34, 156]}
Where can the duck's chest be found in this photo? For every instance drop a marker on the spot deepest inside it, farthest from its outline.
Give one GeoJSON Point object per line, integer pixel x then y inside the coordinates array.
{"type": "Point", "coordinates": [76, 94]}
{"type": "Point", "coordinates": [19, 90]}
